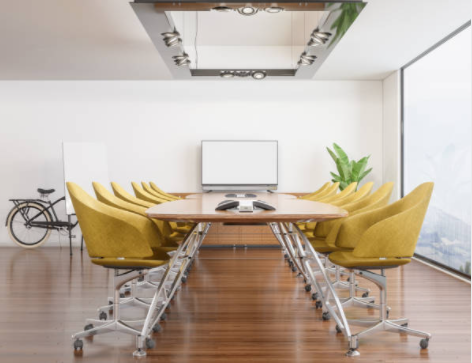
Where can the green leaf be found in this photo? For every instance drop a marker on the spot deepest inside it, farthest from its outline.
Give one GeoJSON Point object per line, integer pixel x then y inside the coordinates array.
{"type": "Point", "coordinates": [359, 168]}
{"type": "Point", "coordinates": [342, 155]}
{"type": "Point", "coordinates": [343, 185]}
{"type": "Point", "coordinates": [364, 174]}
{"type": "Point", "coordinates": [333, 155]}
{"type": "Point", "coordinates": [335, 177]}
{"type": "Point", "coordinates": [343, 169]}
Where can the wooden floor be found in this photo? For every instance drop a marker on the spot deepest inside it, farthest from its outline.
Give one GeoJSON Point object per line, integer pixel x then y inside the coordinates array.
{"type": "Point", "coordinates": [238, 306]}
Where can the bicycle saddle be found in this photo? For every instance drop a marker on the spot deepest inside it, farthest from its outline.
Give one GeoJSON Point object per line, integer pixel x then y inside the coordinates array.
{"type": "Point", "coordinates": [45, 191]}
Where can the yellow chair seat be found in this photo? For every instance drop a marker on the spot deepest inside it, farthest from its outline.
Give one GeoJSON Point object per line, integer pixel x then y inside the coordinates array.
{"type": "Point", "coordinates": [132, 263]}
{"type": "Point", "coordinates": [347, 259]}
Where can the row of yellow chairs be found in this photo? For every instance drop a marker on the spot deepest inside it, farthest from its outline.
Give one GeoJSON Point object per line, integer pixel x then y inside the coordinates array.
{"type": "Point", "coordinates": [374, 236]}
{"type": "Point", "coordinates": [119, 236]}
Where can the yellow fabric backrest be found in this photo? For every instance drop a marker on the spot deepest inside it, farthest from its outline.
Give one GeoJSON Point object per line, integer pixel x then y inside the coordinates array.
{"type": "Point", "coordinates": [323, 188]}
{"type": "Point", "coordinates": [362, 192]}
{"type": "Point", "coordinates": [331, 190]}
{"type": "Point", "coordinates": [160, 191]}
{"type": "Point", "coordinates": [104, 196]}
{"type": "Point", "coordinates": [350, 189]}
{"type": "Point", "coordinates": [330, 229]}
{"type": "Point", "coordinates": [152, 192]}
{"type": "Point", "coordinates": [124, 195]}
{"type": "Point", "coordinates": [393, 231]}
{"type": "Point", "coordinates": [110, 232]}
{"type": "Point", "coordinates": [142, 194]}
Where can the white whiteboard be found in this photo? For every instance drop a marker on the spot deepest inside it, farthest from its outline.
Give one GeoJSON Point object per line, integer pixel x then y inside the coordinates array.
{"type": "Point", "coordinates": [84, 163]}
{"type": "Point", "coordinates": [239, 163]}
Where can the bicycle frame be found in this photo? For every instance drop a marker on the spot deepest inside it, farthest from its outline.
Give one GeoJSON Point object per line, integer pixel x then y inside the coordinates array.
{"type": "Point", "coordinates": [55, 224]}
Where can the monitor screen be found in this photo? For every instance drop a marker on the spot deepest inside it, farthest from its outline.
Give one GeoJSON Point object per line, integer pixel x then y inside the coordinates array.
{"type": "Point", "coordinates": [239, 163]}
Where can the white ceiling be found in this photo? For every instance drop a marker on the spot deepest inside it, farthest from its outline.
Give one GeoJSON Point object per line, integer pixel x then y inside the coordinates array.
{"type": "Point", "coordinates": [103, 39]}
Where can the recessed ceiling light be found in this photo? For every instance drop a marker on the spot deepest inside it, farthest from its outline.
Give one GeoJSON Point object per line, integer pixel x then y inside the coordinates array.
{"type": "Point", "coordinates": [247, 10]}
{"type": "Point", "coordinates": [222, 9]}
{"type": "Point", "coordinates": [226, 74]}
{"type": "Point", "coordinates": [274, 9]}
{"type": "Point", "coordinates": [259, 74]}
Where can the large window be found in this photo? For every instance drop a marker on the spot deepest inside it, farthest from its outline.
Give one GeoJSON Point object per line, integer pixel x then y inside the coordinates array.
{"type": "Point", "coordinates": [437, 136]}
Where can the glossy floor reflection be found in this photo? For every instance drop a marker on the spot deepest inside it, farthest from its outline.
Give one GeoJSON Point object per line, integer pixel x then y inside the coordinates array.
{"type": "Point", "coordinates": [237, 306]}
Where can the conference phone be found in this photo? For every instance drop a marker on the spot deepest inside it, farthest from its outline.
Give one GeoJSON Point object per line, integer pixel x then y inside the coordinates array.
{"type": "Point", "coordinates": [244, 205]}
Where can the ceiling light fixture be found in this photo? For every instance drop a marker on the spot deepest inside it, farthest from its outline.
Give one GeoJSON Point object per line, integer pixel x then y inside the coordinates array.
{"type": "Point", "coordinates": [226, 74]}
{"type": "Point", "coordinates": [259, 75]}
{"type": "Point", "coordinates": [318, 38]}
{"type": "Point", "coordinates": [247, 10]}
{"type": "Point", "coordinates": [172, 39]}
{"type": "Point", "coordinates": [222, 9]}
{"type": "Point", "coordinates": [274, 9]}
{"type": "Point", "coordinates": [181, 60]}
{"type": "Point", "coordinates": [306, 60]}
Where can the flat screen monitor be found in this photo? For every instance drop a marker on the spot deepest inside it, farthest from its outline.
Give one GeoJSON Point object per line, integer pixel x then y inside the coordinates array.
{"type": "Point", "coordinates": [239, 165]}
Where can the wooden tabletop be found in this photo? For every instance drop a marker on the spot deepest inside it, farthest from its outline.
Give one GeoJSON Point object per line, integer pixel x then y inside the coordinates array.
{"type": "Point", "coordinates": [201, 208]}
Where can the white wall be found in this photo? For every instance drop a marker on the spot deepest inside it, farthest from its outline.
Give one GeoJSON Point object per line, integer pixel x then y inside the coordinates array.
{"type": "Point", "coordinates": [392, 132]}
{"type": "Point", "coordinates": [153, 129]}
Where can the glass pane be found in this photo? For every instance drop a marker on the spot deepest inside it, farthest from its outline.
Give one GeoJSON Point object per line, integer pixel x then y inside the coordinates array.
{"type": "Point", "coordinates": [437, 147]}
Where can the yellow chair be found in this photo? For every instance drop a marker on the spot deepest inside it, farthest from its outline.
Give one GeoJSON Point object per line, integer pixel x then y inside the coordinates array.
{"type": "Point", "coordinates": [309, 228]}
{"type": "Point", "coordinates": [163, 229]}
{"type": "Point", "coordinates": [160, 191]}
{"type": "Point", "coordinates": [118, 240]}
{"type": "Point", "coordinates": [323, 188]}
{"type": "Point", "coordinates": [328, 192]}
{"type": "Point", "coordinates": [350, 189]}
{"type": "Point", "coordinates": [143, 195]}
{"type": "Point", "coordinates": [326, 233]}
{"type": "Point", "coordinates": [178, 231]}
{"type": "Point", "coordinates": [124, 195]}
{"type": "Point", "coordinates": [380, 239]}
{"type": "Point", "coordinates": [362, 192]}
{"type": "Point", "coordinates": [151, 191]}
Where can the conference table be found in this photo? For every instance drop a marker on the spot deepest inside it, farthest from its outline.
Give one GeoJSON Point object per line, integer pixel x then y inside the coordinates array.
{"type": "Point", "coordinates": [199, 209]}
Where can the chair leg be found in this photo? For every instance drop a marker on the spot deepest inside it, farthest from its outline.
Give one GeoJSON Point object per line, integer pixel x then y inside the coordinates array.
{"type": "Point", "coordinates": [114, 324]}
{"type": "Point", "coordinates": [382, 324]}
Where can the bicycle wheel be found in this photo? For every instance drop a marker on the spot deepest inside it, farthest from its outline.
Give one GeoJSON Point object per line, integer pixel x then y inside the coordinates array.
{"type": "Point", "coordinates": [25, 235]}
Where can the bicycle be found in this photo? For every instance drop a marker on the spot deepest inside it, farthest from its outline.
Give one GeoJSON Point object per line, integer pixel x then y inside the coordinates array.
{"type": "Point", "coordinates": [31, 221]}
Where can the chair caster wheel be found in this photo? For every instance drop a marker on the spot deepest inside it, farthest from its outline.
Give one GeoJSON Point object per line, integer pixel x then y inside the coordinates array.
{"type": "Point", "coordinates": [141, 279]}
{"type": "Point", "coordinates": [150, 344]}
{"type": "Point", "coordinates": [163, 316]}
{"type": "Point", "coordinates": [365, 294]}
{"type": "Point", "coordinates": [286, 256]}
{"type": "Point", "coordinates": [388, 313]}
{"type": "Point", "coordinates": [405, 325]}
{"type": "Point", "coordinates": [308, 288]}
{"type": "Point", "coordinates": [338, 329]}
{"type": "Point", "coordinates": [78, 344]}
{"type": "Point", "coordinates": [424, 343]}
{"type": "Point", "coordinates": [102, 316]}
{"type": "Point", "coordinates": [318, 305]}
{"type": "Point", "coordinates": [314, 296]}
{"type": "Point", "coordinates": [122, 295]}
{"type": "Point", "coordinates": [184, 279]}
{"type": "Point", "coordinates": [294, 269]}
{"type": "Point", "coordinates": [157, 328]}
{"type": "Point", "coordinates": [110, 303]}
{"type": "Point", "coordinates": [326, 316]}
{"type": "Point", "coordinates": [348, 279]}
{"type": "Point", "coordinates": [88, 327]}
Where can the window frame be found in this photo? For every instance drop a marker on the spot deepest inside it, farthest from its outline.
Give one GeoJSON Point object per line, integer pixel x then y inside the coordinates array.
{"type": "Point", "coordinates": [402, 133]}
